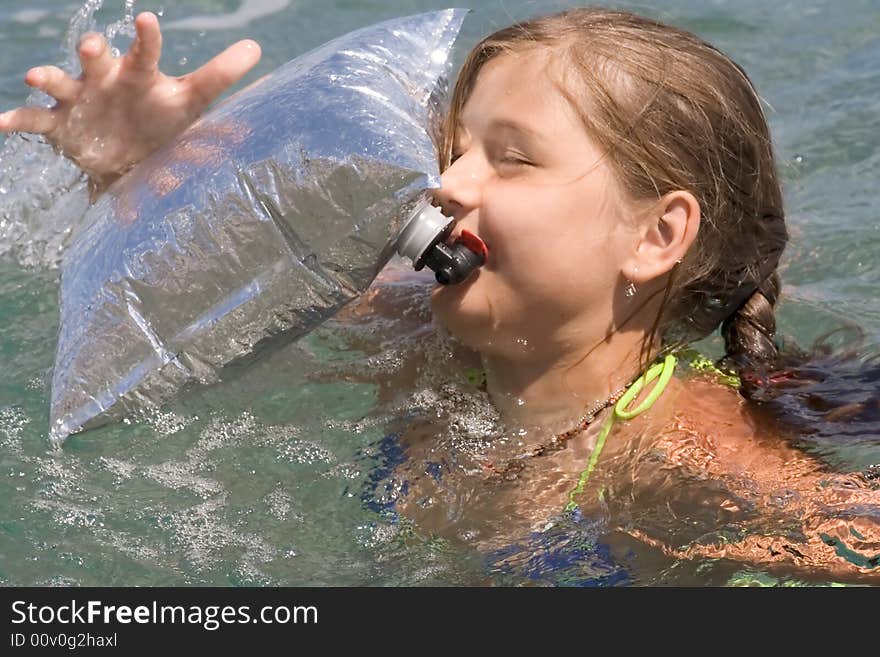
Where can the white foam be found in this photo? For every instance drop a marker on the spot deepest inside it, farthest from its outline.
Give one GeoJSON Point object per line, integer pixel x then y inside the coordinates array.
{"type": "Point", "coordinates": [177, 475]}
{"type": "Point", "coordinates": [207, 538]}
{"type": "Point", "coordinates": [12, 423]}
{"type": "Point", "coordinates": [248, 11]}
{"type": "Point", "coordinates": [279, 504]}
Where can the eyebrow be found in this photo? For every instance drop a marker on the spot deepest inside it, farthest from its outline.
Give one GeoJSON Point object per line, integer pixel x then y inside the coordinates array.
{"type": "Point", "coordinates": [509, 124]}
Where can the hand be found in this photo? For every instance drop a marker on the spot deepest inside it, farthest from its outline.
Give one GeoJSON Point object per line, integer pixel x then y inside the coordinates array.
{"type": "Point", "coordinates": [121, 109]}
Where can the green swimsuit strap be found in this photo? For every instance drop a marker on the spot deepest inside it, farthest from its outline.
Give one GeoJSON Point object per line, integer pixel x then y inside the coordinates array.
{"type": "Point", "coordinates": [661, 371]}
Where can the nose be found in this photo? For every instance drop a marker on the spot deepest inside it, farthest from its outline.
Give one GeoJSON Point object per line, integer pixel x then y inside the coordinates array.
{"type": "Point", "coordinates": [460, 187]}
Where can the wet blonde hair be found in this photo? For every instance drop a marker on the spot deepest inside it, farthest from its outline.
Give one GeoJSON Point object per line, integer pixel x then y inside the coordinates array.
{"type": "Point", "coordinates": [671, 112]}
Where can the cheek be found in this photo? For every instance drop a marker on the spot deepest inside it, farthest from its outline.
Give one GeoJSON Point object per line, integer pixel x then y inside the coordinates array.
{"type": "Point", "coordinates": [539, 246]}
{"type": "Point", "coordinates": [550, 255]}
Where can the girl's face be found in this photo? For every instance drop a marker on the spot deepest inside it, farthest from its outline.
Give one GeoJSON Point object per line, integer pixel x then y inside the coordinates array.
{"type": "Point", "coordinates": [530, 182]}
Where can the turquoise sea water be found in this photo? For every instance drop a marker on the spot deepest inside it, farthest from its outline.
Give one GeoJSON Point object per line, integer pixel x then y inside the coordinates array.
{"type": "Point", "coordinates": [275, 477]}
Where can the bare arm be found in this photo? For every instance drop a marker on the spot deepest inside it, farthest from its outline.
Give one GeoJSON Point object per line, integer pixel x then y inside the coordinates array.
{"type": "Point", "coordinates": [836, 541]}
{"type": "Point", "coordinates": [121, 109]}
{"type": "Point", "coordinates": [765, 503]}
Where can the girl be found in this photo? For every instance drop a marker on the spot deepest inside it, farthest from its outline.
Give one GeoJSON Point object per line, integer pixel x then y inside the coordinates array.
{"type": "Point", "coordinates": [621, 174]}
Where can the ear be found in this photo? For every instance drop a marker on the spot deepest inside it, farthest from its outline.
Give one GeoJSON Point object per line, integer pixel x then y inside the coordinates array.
{"type": "Point", "coordinates": [667, 232]}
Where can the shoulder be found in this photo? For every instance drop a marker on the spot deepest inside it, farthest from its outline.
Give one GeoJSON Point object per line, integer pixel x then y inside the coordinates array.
{"type": "Point", "coordinates": [698, 404]}
{"type": "Point", "coordinates": [706, 428]}
{"type": "Point", "coordinates": [703, 404]}
{"type": "Point", "coordinates": [737, 428]}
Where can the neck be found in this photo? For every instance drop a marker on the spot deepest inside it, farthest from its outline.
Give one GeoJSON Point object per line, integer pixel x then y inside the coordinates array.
{"type": "Point", "coordinates": [554, 391]}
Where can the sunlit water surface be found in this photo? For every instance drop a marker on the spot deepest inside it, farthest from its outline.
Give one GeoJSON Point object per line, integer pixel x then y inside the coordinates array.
{"type": "Point", "coordinates": [285, 472]}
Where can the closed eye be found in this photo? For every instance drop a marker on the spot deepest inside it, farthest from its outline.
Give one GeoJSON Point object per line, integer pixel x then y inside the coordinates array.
{"type": "Point", "coordinates": [514, 159]}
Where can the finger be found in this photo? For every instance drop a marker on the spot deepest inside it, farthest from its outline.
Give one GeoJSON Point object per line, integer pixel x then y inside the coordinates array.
{"type": "Point", "coordinates": [28, 119]}
{"type": "Point", "coordinates": [146, 50]}
{"type": "Point", "coordinates": [224, 70]}
{"type": "Point", "coordinates": [54, 82]}
{"type": "Point", "coordinates": [94, 54]}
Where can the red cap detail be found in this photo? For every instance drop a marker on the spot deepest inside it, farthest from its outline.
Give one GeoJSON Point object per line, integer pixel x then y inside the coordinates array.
{"type": "Point", "coordinates": [474, 243]}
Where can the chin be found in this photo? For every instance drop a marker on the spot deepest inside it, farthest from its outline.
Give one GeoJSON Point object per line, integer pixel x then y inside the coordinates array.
{"type": "Point", "coordinates": [462, 313]}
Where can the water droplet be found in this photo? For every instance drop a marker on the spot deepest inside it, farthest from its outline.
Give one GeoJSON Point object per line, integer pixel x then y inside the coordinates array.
{"type": "Point", "coordinates": [182, 61]}
{"type": "Point", "coordinates": [798, 159]}
{"type": "Point", "coordinates": [160, 12]}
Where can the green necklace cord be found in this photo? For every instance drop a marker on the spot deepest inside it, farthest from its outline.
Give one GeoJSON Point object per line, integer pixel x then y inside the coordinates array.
{"type": "Point", "coordinates": [662, 370]}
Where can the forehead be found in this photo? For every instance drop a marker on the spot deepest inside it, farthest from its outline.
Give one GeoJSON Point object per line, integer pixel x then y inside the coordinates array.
{"type": "Point", "coordinates": [521, 87]}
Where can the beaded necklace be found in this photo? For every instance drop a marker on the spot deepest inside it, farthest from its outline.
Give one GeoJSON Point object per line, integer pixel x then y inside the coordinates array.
{"type": "Point", "coordinates": [627, 391]}
{"type": "Point", "coordinates": [516, 464]}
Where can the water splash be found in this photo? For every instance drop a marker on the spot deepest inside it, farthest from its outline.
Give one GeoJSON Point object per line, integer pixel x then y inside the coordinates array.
{"type": "Point", "coordinates": [123, 27]}
{"type": "Point", "coordinates": [81, 22]}
{"type": "Point", "coordinates": [84, 21]}
{"type": "Point", "coordinates": [43, 199]}
{"type": "Point", "coordinates": [43, 196]}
